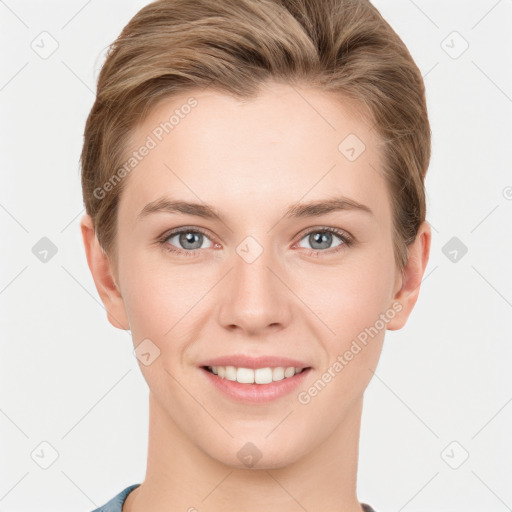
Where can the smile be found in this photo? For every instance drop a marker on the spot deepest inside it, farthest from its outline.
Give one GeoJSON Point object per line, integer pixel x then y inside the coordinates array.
{"type": "Point", "coordinates": [254, 386]}
{"type": "Point", "coordinates": [254, 376]}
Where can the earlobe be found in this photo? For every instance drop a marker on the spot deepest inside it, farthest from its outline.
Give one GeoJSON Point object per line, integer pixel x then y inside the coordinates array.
{"type": "Point", "coordinates": [412, 275]}
{"type": "Point", "coordinates": [102, 274]}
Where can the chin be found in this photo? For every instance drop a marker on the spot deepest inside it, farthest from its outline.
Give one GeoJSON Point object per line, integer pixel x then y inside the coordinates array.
{"type": "Point", "coordinates": [243, 453]}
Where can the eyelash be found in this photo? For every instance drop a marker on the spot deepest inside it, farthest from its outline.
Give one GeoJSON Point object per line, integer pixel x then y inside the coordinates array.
{"type": "Point", "coordinates": [345, 238]}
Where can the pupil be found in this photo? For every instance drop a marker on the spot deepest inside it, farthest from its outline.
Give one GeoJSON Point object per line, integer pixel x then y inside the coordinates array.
{"type": "Point", "coordinates": [321, 238]}
{"type": "Point", "coordinates": [190, 238]}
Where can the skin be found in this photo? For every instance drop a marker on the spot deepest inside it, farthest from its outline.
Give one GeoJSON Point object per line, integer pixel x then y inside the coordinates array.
{"type": "Point", "coordinates": [251, 160]}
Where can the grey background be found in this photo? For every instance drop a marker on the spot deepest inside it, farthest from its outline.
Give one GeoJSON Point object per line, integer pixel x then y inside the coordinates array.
{"type": "Point", "coordinates": [443, 388]}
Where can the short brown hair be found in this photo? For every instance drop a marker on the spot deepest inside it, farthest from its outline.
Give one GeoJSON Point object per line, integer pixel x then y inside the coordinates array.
{"type": "Point", "coordinates": [234, 46]}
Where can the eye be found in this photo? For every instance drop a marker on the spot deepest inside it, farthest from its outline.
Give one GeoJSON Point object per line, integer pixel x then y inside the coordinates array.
{"type": "Point", "coordinates": [321, 239]}
{"type": "Point", "coordinates": [186, 241]}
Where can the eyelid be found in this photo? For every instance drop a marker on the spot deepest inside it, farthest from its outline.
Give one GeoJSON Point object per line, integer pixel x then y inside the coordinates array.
{"type": "Point", "coordinates": [344, 235]}
{"type": "Point", "coordinates": [163, 239]}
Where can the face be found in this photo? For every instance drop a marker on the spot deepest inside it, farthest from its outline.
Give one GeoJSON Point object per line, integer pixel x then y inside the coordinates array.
{"type": "Point", "coordinates": [271, 276]}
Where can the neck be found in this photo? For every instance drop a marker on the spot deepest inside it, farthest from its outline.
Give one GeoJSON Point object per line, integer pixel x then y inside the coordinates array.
{"type": "Point", "coordinates": [180, 476]}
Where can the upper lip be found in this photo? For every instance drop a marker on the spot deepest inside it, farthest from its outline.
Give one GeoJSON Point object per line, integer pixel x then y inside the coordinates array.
{"type": "Point", "coordinates": [244, 361]}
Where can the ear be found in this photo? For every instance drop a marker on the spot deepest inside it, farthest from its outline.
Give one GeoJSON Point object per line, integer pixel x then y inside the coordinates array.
{"type": "Point", "coordinates": [410, 280]}
{"type": "Point", "coordinates": [103, 275]}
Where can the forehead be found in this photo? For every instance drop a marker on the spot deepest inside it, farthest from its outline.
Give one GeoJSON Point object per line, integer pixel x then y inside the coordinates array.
{"type": "Point", "coordinates": [285, 144]}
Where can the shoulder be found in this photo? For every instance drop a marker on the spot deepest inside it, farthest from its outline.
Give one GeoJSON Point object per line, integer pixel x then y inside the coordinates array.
{"type": "Point", "coordinates": [116, 503]}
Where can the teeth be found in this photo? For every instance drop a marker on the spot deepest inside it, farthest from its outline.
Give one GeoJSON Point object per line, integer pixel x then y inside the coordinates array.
{"type": "Point", "coordinates": [258, 376]}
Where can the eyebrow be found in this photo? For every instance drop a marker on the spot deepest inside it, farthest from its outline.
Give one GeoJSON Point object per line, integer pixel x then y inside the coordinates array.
{"type": "Point", "coordinates": [300, 210]}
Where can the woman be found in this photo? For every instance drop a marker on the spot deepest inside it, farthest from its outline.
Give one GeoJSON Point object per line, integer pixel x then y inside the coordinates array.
{"type": "Point", "coordinates": [253, 175]}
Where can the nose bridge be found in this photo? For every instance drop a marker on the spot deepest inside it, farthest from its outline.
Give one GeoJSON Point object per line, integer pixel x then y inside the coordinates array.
{"type": "Point", "coordinates": [256, 298]}
{"type": "Point", "coordinates": [251, 266]}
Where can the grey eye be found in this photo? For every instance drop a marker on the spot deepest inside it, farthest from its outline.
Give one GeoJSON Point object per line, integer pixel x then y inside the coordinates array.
{"type": "Point", "coordinates": [189, 240]}
{"type": "Point", "coordinates": [321, 239]}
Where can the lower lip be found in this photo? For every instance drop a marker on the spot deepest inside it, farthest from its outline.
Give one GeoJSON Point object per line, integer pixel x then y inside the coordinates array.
{"type": "Point", "coordinates": [256, 393]}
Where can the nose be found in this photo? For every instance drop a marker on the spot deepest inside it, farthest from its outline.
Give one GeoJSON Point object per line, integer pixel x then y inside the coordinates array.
{"type": "Point", "coordinates": [254, 298]}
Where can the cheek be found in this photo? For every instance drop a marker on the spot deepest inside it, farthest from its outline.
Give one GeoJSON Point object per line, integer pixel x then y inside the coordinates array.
{"type": "Point", "coordinates": [355, 293]}
{"type": "Point", "coordinates": [159, 304]}
{"type": "Point", "coordinates": [158, 294]}
{"type": "Point", "coordinates": [351, 304]}
{"type": "Point", "coordinates": [151, 302]}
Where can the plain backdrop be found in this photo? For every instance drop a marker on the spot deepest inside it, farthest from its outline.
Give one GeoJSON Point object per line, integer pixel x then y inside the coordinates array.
{"type": "Point", "coordinates": [437, 419]}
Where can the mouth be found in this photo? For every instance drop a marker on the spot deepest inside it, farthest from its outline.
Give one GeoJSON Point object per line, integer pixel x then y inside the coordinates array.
{"type": "Point", "coordinates": [258, 376]}
{"type": "Point", "coordinates": [252, 386]}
